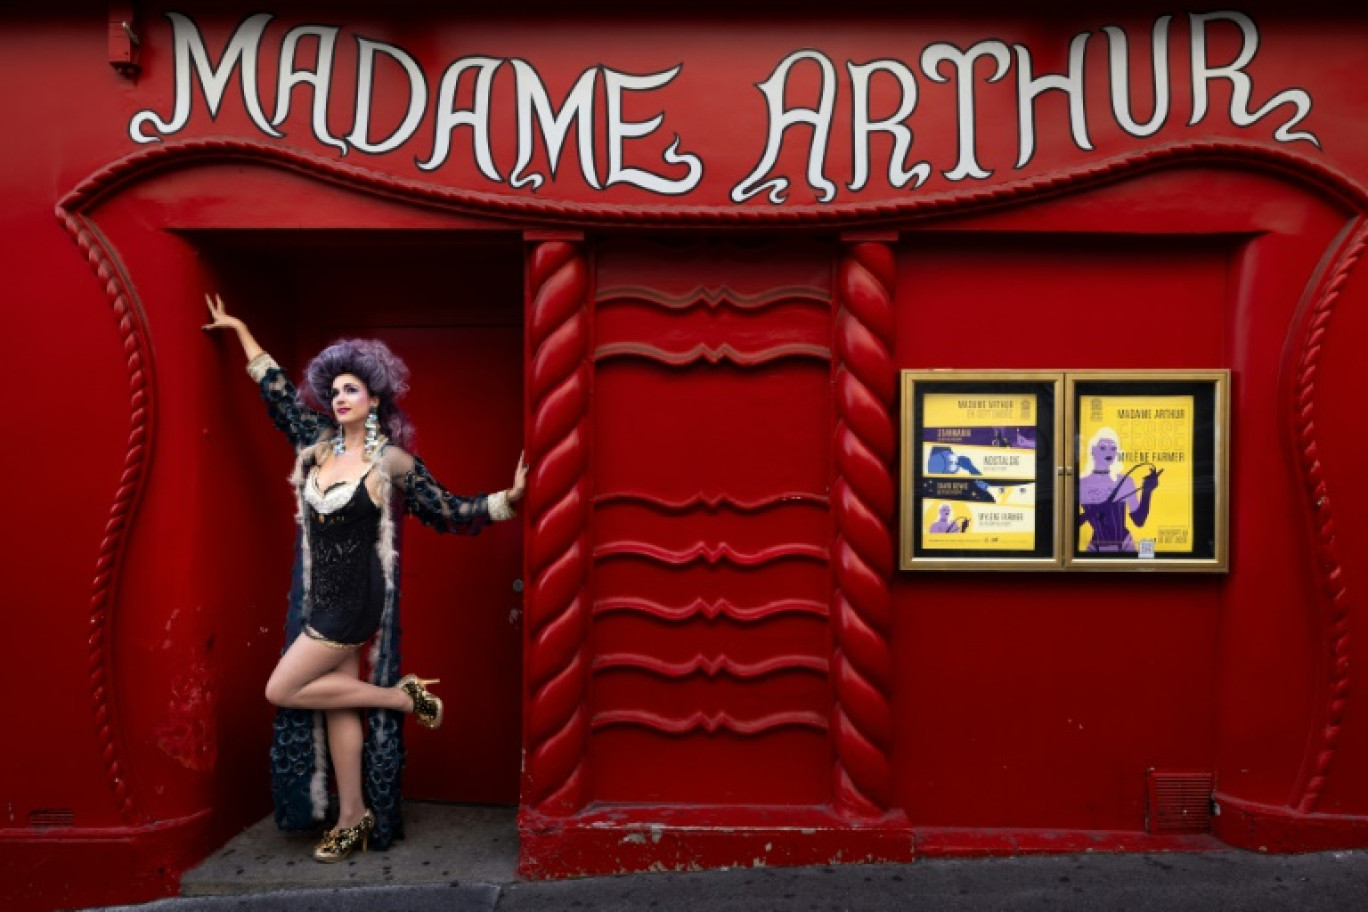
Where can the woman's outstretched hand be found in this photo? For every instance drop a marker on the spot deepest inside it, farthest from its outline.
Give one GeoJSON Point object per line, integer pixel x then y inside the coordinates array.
{"type": "Point", "coordinates": [219, 318]}
{"type": "Point", "coordinates": [519, 488]}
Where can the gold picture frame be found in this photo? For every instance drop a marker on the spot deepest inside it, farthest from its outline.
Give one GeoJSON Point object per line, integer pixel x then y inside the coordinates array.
{"type": "Point", "coordinates": [980, 470]}
{"type": "Point", "coordinates": [1147, 470]}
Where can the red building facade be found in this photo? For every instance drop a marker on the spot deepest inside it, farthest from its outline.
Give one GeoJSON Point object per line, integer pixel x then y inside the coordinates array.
{"type": "Point", "coordinates": [681, 258]}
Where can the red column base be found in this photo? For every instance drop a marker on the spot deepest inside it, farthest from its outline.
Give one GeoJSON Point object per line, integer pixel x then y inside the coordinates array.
{"type": "Point", "coordinates": [78, 867]}
{"type": "Point", "coordinates": [622, 839]}
{"type": "Point", "coordinates": [1278, 830]}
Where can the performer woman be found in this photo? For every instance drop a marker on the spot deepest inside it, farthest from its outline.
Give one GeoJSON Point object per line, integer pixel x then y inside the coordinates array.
{"type": "Point", "coordinates": [347, 469]}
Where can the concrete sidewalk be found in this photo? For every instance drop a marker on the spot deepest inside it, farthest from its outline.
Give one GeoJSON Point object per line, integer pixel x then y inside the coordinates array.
{"type": "Point", "coordinates": [444, 844]}
{"type": "Point", "coordinates": [463, 859]}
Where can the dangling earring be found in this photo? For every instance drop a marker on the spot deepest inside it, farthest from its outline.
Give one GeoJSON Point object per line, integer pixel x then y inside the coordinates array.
{"type": "Point", "coordinates": [372, 431]}
{"type": "Point", "coordinates": [339, 443]}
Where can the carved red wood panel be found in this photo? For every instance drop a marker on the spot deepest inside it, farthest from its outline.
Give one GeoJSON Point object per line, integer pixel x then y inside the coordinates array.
{"type": "Point", "coordinates": [711, 523]}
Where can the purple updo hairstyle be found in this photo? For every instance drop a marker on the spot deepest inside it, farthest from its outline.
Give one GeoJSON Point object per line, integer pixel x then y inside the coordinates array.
{"type": "Point", "coordinates": [371, 361]}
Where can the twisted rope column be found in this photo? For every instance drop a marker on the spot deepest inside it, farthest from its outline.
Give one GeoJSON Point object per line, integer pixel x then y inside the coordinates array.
{"type": "Point", "coordinates": [556, 775]}
{"type": "Point", "coordinates": [863, 554]}
{"type": "Point", "coordinates": [132, 481]}
{"type": "Point", "coordinates": [1336, 592]}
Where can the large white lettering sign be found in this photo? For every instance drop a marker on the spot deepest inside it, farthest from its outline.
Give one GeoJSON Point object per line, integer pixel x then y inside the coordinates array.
{"type": "Point", "coordinates": [539, 122]}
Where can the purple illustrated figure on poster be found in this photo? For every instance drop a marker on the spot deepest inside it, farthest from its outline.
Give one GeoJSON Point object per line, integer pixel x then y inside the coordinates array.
{"type": "Point", "coordinates": [1104, 499]}
{"type": "Point", "coordinates": [944, 523]}
{"type": "Point", "coordinates": [945, 461]}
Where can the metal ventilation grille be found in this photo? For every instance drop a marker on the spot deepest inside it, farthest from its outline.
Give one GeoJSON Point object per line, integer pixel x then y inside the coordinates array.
{"type": "Point", "coordinates": [1180, 802]}
{"type": "Point", "coordinates": [50, 818]}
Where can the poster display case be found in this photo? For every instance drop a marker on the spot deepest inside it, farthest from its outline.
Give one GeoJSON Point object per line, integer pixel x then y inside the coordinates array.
{"type": "Point", "coordinates": [979, 470]}
{"type": "Point", "coordinates": [1148, 470]}
{"type": "Point", "coordinates": [1074, 470]}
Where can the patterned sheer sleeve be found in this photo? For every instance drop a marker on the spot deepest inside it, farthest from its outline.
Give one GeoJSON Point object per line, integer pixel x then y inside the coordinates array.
{"type": "Point", "coordinates": [303, 426]}
{"type": "Point", "coordinates": [437, 507]}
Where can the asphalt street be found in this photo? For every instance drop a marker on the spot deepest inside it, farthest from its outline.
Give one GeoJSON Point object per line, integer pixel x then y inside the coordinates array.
{"type": "Point", "coordinates": [1226, 880]}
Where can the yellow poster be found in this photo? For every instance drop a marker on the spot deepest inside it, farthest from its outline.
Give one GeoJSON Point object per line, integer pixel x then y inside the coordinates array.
{"type": "Point", "coordinates": [1135, 475]}
{"type": "Point", "coordinates": [978, 467]}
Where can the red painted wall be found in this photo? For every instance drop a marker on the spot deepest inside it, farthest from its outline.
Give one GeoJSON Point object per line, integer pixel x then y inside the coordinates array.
{"type": "Point", "coordinates": [712, 638]}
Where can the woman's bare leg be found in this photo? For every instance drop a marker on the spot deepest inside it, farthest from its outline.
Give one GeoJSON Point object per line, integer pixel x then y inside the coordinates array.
{"type": "Point", "coordinates": [310, 675]}
{"type": "Point", "coordinates": [344, 744]}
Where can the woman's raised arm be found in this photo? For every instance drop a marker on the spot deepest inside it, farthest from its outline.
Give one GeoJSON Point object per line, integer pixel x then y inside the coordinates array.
{"type": "Point", "coordinates": [437, 507]}
{"type": "Point", "coordinates": [303, 426]}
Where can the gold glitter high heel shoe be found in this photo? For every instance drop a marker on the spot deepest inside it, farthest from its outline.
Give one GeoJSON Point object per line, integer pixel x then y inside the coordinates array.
{"type": "Point", "coordinates": [426, 706]}
{"type": "Point", "coordinates": [337, 844]}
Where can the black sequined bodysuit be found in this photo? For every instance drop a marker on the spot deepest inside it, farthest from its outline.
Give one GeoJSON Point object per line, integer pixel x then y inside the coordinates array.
{"type": "Point", "coordinates": [346, 582]}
